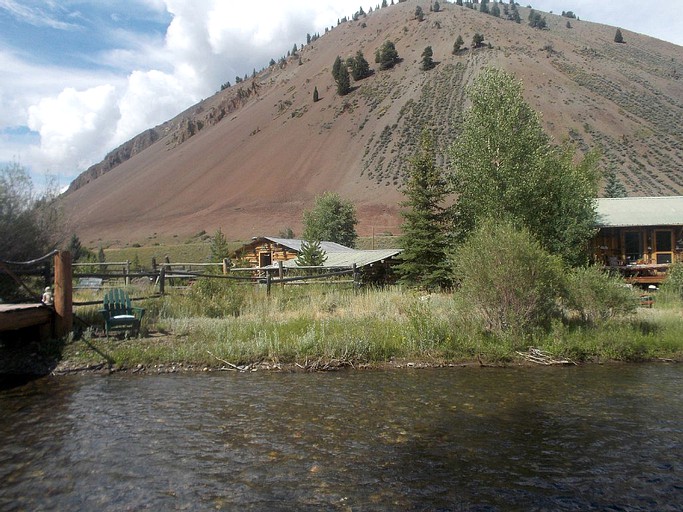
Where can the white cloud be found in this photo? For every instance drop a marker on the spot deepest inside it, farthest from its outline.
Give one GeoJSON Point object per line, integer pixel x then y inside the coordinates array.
{"type": "Point", "coordinates": [76, 125]}
{"type": "Point", "coordinates": [81, 115]}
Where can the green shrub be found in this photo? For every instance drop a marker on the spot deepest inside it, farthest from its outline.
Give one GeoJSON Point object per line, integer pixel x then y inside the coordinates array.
{"type": "Point", "coordinates": [215, 298]}
{"type": "Point", "coordinates": [510, 282]}
{"type": "Point", "coordinates": [595, 295]}
{"type": "Point", "coordinates": [674, 281]}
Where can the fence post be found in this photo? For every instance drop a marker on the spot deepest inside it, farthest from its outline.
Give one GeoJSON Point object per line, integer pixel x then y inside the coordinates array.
{"type": "Point", "coordinates": [356, 283]}
{"type": "Point", "coordinates": [226, 266]}
{"type": "Point", "coordinates": [63, 299]}
{"type": "Point", "coordinates": [281, 273]}
{"type": "Point", "coordinates": [162, 280]}
{"type": "Point", "coordinates": [126, 272]}
{"type": "Point", "coordinates": [267, 283]}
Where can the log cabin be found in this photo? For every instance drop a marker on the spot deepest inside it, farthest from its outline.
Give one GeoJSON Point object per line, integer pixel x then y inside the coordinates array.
{"type": "Point", "coordinates": [640, 237]}
{"type": "Point", "coordinates": [375, 265]}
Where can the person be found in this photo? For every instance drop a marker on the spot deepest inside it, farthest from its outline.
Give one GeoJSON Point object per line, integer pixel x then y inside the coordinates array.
{"type": "Point", "coordinates": [47, 296]}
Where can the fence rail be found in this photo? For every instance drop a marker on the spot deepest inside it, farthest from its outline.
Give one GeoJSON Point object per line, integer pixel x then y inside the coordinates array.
{"type": "Point", "coordinates": [267, 276]}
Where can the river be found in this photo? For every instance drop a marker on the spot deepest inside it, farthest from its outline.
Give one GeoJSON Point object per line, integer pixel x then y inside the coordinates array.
{"type": "Point", "coordinates": [581, 438]}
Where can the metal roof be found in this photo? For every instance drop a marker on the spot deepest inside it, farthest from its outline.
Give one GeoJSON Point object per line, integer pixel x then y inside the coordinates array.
{"type": "Point", "coordinates": [295, 244]}
{"type": "Point", "coordinates": [348, 258]}
{"type": "Point", "coordinates": [640, 211]}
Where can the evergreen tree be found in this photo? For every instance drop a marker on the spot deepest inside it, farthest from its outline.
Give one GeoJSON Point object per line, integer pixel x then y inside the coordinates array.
{"type": "Point", "coordinates": [458, 2]}
{"type": "Point", "coordinates": [388, 56]}
{"type": "Point", "coordinates": [495, 10]}
{"type": "Point", "coordinates": [505, 167]}
{"type": "Point", "coordinates": [437, 6]}
{"type": "Point", "coordinates": [477, 40]}
{"type": "Point", "coordinates": [219, 247]}
{"type": "Point", "coordinates": [360, 68]}
{"type": "Point", "coordinates": [384, 3]}
{"type": "Point", "coordinates": [427, 60]}
{"type": "Point", "coordinates": [536, 20]}
{"type": "Point", "coordinates": [484, 7]}
{"type": "Point", "coordinates": [618, 38]}
{"type": "Point", "coordinates": [316, 97]}
{"type": "Point", "coordinates": [311, 254]}
{"type": "Point", "coordinates": [340, 73]}
{"type": "Point", "coordinates": [458, 44]}
{"type": "Point", "coordinates": [331, 219]}
{"type": "Point", "coordinates": [419, 15]}
{"type": "Point", "coordinates": [426, 223]}
{"type": "Point", "coordinates": [613, 185]}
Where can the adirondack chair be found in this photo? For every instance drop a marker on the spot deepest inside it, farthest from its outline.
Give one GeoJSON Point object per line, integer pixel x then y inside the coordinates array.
{"type": "Point", "coordinates": [119, 314]}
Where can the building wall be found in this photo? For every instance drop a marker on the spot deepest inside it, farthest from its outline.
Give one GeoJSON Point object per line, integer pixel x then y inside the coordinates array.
{"type": "Point", "coordinates": [638, 245]}
{"type": "Point", "coordinates": [263, 253]}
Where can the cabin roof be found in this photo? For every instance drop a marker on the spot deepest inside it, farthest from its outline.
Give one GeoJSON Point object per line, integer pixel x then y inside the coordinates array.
{"type": "Point", "coordinates": [349, 258]}
{"type": "Point", "coordinates": [640, 211]}
{"type": "Point", "coordinates": [295, 244]}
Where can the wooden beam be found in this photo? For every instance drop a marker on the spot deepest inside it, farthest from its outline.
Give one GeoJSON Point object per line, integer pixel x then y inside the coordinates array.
{"type": "Point", "coordinates": [19, 316]}
{"type": "Point", "coordinates": [63, 294]}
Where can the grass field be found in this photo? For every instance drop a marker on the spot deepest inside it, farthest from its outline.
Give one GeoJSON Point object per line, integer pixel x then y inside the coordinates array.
{"type": "Point", "coordinates": [317, 327]}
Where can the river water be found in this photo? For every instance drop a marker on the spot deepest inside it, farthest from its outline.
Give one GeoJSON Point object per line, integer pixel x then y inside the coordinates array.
{"type": "Point", "coordinates": [580, 438]}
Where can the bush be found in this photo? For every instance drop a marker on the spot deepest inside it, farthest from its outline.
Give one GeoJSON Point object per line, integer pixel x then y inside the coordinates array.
{"type": "Point", "coordinates": [213, 298]}
{"type": "Point", "coordinates": [674, 282]}
{"type": "Point", "coordinates": [509, 283]}
{"type": "Point", "coordinates": [595, 295]}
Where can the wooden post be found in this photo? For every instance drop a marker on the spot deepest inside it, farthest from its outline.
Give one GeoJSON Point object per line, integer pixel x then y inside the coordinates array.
{"type": "Point", "coordinates": [356, 283]}
{"type": "Point", "coordinates": [226, 266]}
{"type": "Point", "coordinates": [162, 280]}
{"type": "Point", "coordinates": [267, 283]}
{"type": "Point", "coordinates": [63, 299]}
{"type": "Point", "coordinates": [281, 273]}
{"type": "Point", "coordinates": [126, 272]}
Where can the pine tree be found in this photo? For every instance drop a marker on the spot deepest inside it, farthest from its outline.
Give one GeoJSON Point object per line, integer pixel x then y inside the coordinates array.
{"type": "Point", "coordinates": [437, 6]}
{"type": "Point", "coordinates": [219, 247]}
{"type": "Point", "coordinates": [419, 15]}
{"type": "Point", "coordinates": [340, 73]}
{"type": "Point", "coordinates": [388, 56]}
{"type": "Point", "coordinates": [316, 97]}
{"type": "Point", "coordinates": [618, 37]}
{"type": "Point", "coordinates": [426, 222]}
{"type": "Point", "coordinates": [311, 254]}
{"type": "Point", "coordinates": [613, 185]}
{"type": "Point", "coordinates": [477, 40]}
{"type": "Point", "coordinates": [360, 68]}
{"type": "Point", "coordinates": [427, 60]}
{"type": "Point", "coordinates": [458, 44]}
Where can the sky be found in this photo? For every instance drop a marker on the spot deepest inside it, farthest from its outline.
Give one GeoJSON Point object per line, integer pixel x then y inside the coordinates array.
{"type": "Point", "coordinates": [80, 77]}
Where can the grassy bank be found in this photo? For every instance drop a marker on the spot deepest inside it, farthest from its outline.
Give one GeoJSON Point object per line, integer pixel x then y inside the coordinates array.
{"type": "Point", "coordinates": [218, 325]}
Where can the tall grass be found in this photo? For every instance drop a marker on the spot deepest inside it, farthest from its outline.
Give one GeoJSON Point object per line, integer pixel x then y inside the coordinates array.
{"type": "Point", "coordinates": [218, 323]}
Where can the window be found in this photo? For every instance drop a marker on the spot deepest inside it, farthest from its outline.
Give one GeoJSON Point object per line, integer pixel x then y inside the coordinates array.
{"type": "Point", "coordinates": [633, 246]}
{"type": "Point", "coordinates": [664, 246]}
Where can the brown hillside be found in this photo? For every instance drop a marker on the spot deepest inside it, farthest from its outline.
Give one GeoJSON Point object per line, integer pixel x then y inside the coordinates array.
{"type": "Point", "coordinates": [252, 157]}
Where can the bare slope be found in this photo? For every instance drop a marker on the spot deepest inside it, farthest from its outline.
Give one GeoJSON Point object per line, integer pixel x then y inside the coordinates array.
{"type": "Point", "coordinates": [252, 157]}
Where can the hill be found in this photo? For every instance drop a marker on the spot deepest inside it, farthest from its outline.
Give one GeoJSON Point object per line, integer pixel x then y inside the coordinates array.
{"type": "Point", "coordinates": [250, 158]}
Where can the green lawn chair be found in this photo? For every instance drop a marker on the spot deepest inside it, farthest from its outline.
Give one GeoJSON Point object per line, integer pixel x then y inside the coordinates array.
{"type": "Point", "coordinates": [119, 314]}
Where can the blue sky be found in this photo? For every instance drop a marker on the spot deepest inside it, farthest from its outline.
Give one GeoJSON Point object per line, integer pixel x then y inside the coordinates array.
{"type": "Point", "coordinates": [80, 77]}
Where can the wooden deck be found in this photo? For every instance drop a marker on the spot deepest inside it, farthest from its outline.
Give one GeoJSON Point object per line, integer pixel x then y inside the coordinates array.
{"type": "Point", "coordinates": [20, 316]}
